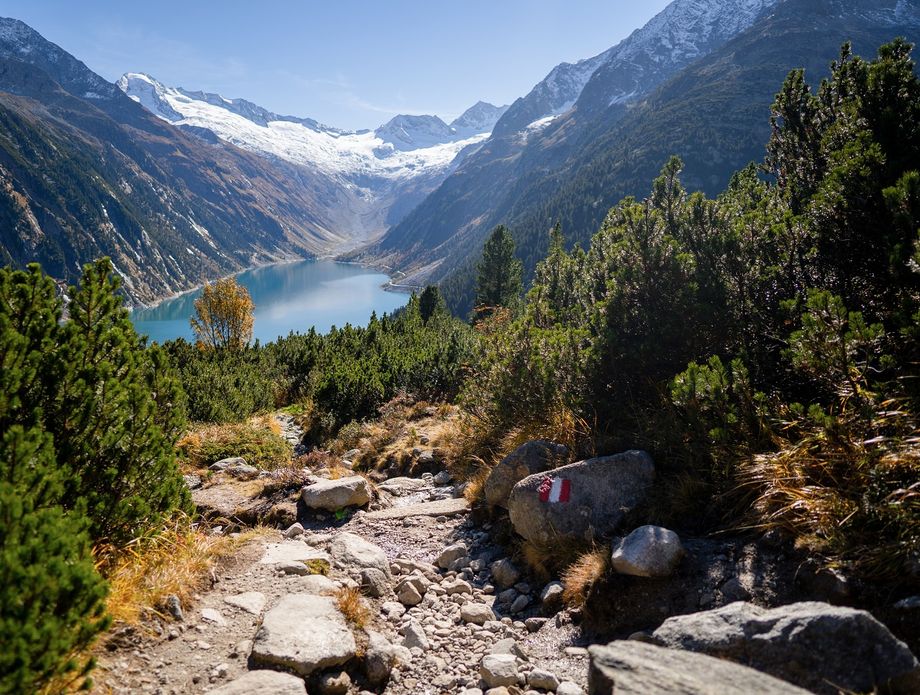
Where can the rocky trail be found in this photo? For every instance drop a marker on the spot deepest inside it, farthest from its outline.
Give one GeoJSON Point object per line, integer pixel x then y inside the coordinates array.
{"type": "Point", "coordinates": [442, 609]}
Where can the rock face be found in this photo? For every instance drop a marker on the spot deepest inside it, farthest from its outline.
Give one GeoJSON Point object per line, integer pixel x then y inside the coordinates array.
{"type": "Point", "coordinates": [811, 644]}
{"type": "Point", "coordinates": [263, 682]}
{"type": "Point", "coordinates": [582, 500]}
{"type": "Point", "coordinates": [649, 551]}
{"type": "Point", "coordinates": [350, 550]}
{"type": "Point", "coordinates": [533, 457]}
{"type": "Point", "coordinates": [331, 495]}
{"type": "Point", "coordinates": [303, 633]}
{"type": "Point", "coordinates": [634, 668]}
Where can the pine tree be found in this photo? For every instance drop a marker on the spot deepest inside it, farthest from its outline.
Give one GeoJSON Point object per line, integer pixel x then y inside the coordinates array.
{"type": "Point", "coordinates": [430, 302]}
{"type": "Point", "coordinates": [499, 277]}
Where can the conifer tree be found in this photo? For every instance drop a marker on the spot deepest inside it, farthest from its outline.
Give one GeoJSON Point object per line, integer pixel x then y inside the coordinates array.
{"type": "Point", "coordinates": [499, 276]}
{"type": "Point", "coordinates": [430, 302]}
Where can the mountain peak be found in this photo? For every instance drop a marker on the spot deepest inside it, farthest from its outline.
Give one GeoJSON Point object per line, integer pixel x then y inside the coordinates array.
{"type": "Point", "coordinates": [481, 117]}
{"type": "Point", "coordinates": [20, 42]}
{"type": "Point", "coordinates": [411, 132]}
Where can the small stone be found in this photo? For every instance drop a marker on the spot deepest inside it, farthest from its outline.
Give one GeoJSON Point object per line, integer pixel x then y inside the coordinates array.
{"type": "Point", "coordinates": [544, 680]}
{"type": "Point", "coordinates": [374, 582]}
{"type": "Point", "coordinates": [457, 586]}
{"type": "Point", "coordinates": [569, 688]}
{"type": "Point", "coordinates": [476, 613]}
{"type": "Point", "coordinates": [393, 609]}
{"type": "Point", "coordinates": [212, 616]}
{"type": "Point", "coordinates": [649, 551]}
{"type": "Point", "coordinates": [174, 607]}
{"type": "Point", "coordinates": [509, 646]}
{"type": "Point", "coordinates": [294, 530]}
{"type": "Point", "coordinates": [450, 554]}
{"type": "Point", "coordinates": [520, 603]}
{"type": "Point", "coordinates": [498, 669]}
{"type": "Point", "coordinates": [334, 683]}
{"type": "Point", "coordinates": [505, 573]}
{"type": "Point", "coordinates": [262, 682]}
{"type": "Point", "coordinates": [221, 671]}
{"type": "Point", "coordinates": [251, 601]}
{"type": "Point", "coordinates": [443, 478]}
{"type": "Point", "coordinates": [407, 594]}
{"type": "Point", "coordinates": [414, 636]}
{"type": "Point", "coordinates": [534, 624]}
{"type": "Point", "coordinates": [551, 596]}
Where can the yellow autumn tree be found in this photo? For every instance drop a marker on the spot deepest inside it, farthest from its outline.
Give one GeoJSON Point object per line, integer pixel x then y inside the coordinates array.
{"type": "Point", "coordinates": [223, 316]}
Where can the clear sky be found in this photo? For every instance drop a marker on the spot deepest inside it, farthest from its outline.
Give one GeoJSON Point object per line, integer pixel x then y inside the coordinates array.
{"type": "Point", "coordinates": [345, 63]}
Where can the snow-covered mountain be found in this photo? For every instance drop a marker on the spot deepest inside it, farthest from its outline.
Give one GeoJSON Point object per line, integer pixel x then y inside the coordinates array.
{"type": "Point", "coordinates": [682, 32]}
{"type": "Point", "coordinates": [407, 156]}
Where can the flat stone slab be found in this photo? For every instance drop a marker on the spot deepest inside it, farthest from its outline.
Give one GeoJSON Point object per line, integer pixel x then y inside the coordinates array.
{"type": "Point", "coordinates": [250, 601]}
{"type": "Point", "coordinates": [291, 551]}
{"type": "Point", "coordinates": [303, 633]}
{"type": "Point", "coordinates": [263, 683]}
{"type": "Point", "coordinates": [449, 507]}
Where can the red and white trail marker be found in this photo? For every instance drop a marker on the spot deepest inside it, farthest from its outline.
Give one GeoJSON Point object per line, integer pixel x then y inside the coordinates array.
{"type": "Point", "coordinates": [555, 490]}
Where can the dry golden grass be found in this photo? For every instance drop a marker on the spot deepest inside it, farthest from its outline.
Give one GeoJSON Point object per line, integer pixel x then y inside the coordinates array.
{"type": "Point", "coordinates": [178, 560]}
{"type": "Point", "coordinates": [352, 606]}
{"type": "Point", "coordinates": [257, 441]}
{"type": "Point", "coordinates": [581, 576]}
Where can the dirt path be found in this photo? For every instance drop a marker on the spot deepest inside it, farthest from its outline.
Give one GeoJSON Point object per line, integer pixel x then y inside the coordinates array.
{"type": "Point", "coordinates": [438, 644]}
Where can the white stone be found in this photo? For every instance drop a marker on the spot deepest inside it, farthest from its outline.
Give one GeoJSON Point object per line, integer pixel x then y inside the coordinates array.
{"type": "Point", "coordinates": [649, 551]}
{"type": "Point", "coordinates": [250, 601]}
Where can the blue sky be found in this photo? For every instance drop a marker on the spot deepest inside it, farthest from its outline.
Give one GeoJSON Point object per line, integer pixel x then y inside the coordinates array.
{"type": "Point", "coordinates": [346, 63]}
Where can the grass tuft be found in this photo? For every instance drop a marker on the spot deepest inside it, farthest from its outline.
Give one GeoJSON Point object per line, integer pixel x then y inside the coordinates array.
{"type": "Point", "coordinates": [352, 606]}
{"type": "Point", "coordinates": [581, 576]}
{"type": "Point", "coordinates": [255, 441]}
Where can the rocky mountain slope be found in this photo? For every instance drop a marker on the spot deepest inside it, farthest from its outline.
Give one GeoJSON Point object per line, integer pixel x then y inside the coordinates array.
{"type": "Point", "coordinates": [572, 168]}
{"type": "Point", "coordinates": [86, 172]}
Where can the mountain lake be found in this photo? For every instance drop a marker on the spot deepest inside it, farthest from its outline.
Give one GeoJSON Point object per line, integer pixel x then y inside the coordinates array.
{"type": "Point", "coordinates": [288, 297]}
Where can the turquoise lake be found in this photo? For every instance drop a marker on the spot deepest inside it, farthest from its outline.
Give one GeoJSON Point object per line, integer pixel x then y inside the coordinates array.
{"type": "Point", "coordinates": [287, 297]}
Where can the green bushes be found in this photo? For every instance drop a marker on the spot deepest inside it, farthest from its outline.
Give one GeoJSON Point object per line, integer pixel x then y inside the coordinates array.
{"type": "Point", "coordinates": [89, 418]}
{"type": "Point", "coordinates": [795, 300]}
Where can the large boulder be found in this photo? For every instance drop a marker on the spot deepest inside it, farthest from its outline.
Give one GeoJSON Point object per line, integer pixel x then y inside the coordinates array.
{"type": "Point", "coordinates": [580, 501]}
{"type": "Point", "coordinates": [649, 551]}
{"type": "Point", "coordinates": [303, 633]}
{"type": "Point", "coordinates": [331, 495]}
{"type": "Point", "coordinates": [635, 668]}
{"type": "Point", "coordinates": [263, 682]}
{"type": "Point", "coordinates": [815, 645]}
{"type": "Point", "coordinates": [533, 457]}
{"type": "Point", "coordinates": [349, 550]}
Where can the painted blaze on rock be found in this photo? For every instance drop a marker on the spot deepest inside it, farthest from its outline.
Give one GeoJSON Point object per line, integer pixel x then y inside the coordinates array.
{"type": "Point", "coordinates": [580, 501]}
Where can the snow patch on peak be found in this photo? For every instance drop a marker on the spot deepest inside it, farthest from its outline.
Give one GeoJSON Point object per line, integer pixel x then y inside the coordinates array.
{"type": "Point", "coordinates": [149, 93]}
{"type": "Point", "coordinates": [407, 132]}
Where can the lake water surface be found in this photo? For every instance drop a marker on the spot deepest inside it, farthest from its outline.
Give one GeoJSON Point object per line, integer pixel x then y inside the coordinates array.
{"type": "Point", "coordinates": [287, 297]}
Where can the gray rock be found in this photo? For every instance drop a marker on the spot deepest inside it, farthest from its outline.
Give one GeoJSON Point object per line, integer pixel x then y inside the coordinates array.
{"type": "Point", "coordinates": [332, 495]}
{"type": "Point", "coordinates": [236, 467]}
{"type": "Point", "coordinates": [519, 604]}
{"type": "Point", "coordinates": [450, 554]}
{"type": "Point", "coordinates": [333, 683]}
{"type": "Point", "coordinates": [600, 493]}
{"type": "Point", "coordinates": [528, 459]}
{"type": "Point", "coordinates": [303, 633]}
{"type": "Point", "coordinates": [192, 481]}
{"type": "Point", "coordinates": [476, 613]}
{"type": "Point", "coordinates": [443, 478]}
{"type": "Point", "coordinates": [811, 644]}
{"type": "Point", "coordinates": [635, 668]}
{"type": "Point", "coordinates": [374, 583]}
{"type": "Point", "coordinates": [250, 601]}
{"type": "Point", "coordinates": [350, 550]}
{"type": "Point", "coordinates": [173, 606]}
{"type": "Point", "coordinates": [544, 680]}
{"type": "Point", "coordinates": [509, 645]}
{"type": "Point", "coordinates": [209, 615]}
{"type": "Point", "coordinates": [414, 636]}
{"type": "Point", "coordinates": [393, 608]}
{"type": "Point", "coordinates": [534, 624]}
{"type": "Point", "coordinates": [294, 530]}
{"type": "Point", "coordinates": [569, 688]}
{"type": "Point", "coordinates": [262, 682]}
{"type": "Point", "coordinates": [407, 594]}
{"type": "Point", "coordinates": [504, 573]}
{"type": "Point", "coordinates": [456, 586]}
{"type": "Point", "coordinates": [498, 669]}
{"type": "Point", "coordinates": [649, 551]}
{"type": "Point", "coordinates": [317, 584]}
{"type": "Point", "coordinates": [379, 659]}
{"type": "Point", "coordinates": [551, 597]}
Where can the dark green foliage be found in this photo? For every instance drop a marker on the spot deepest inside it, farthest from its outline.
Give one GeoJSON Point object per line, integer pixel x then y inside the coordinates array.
{"type": "Point", "coordinates": [344, 375]}
{"type": "Point", "coordinates": [109, 404]}
{"type": "Point", "coordinates": [793, 299]}
{"type": "Point", "coordinates": [51, 598]}
{"type": "Point", "coordinates": [430, 302]}
{"type": "Point", "coordinates": [498, 281]}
